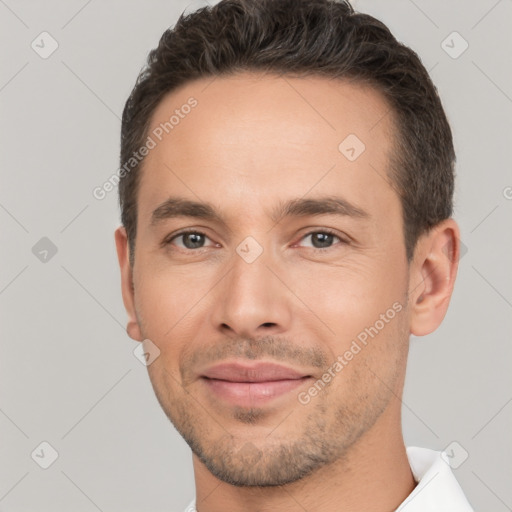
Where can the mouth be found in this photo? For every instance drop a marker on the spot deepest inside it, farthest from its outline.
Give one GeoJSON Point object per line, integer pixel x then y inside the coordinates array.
{"type": "Point", "coordinates": [250, 385]}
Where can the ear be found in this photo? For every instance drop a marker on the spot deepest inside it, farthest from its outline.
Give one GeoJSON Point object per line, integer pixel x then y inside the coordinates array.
{"type": "Point", "coordinates": [123, 255]}
{"type": "Point", "coordinates": [432, 276]}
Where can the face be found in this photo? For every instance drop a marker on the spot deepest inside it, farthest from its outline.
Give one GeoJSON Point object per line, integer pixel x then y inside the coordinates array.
{"type": "Point", "coordinates": [293, 256]}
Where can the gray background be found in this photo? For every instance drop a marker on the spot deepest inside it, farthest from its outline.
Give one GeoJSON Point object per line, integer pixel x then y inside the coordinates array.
{"type": "Point", "coordinates": [67, 372]}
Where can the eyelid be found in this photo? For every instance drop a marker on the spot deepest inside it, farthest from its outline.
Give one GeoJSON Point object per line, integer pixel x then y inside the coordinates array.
{"type": "Point", "coordinates": [329, 231]}
{"type": "Point", "coordinates": [169, 239]}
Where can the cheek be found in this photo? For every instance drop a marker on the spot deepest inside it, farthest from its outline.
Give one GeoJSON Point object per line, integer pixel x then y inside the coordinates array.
{"type": "Point", "coordinates": [165, 301]}
{"type": "Point", "coordinates": [362, 303]}
{"type": "Point", "coordinates": [351, 293]}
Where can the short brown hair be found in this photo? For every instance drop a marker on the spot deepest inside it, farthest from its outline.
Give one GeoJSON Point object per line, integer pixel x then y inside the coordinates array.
{"type": "Point", "coordinates": [304, 37]}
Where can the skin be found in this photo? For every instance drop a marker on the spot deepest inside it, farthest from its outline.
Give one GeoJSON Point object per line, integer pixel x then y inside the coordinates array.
{"type": "Point", "coordinates": [253, 141]}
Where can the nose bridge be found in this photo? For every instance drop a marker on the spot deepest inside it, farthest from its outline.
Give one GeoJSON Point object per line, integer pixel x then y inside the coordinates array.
{"type": "Point", "coordinates": [251, 298]}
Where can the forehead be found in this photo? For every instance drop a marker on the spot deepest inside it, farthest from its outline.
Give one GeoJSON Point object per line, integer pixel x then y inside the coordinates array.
{"type": "Point", "coordinates": [252, 137]}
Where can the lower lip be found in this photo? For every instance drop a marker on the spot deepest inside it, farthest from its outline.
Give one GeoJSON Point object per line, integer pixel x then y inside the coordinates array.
{"type": "Point", "coordinates": [252, 393]}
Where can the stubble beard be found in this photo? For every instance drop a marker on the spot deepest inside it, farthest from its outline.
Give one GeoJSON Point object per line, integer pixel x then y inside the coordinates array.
{"type": "Point", "coordinates": [293, 449]}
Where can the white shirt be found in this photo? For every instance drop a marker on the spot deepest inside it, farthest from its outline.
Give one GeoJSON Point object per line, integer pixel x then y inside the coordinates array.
{"type": "Point", "coordinates": [437, 489]}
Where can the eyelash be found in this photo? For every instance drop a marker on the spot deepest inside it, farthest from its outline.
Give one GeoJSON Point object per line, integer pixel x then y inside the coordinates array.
{"type": "Point", "coordinates": [326, 231]}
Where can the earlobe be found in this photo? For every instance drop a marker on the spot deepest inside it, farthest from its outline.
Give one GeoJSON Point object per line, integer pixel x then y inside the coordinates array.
{"type": "Point", "coordinates": [123, 255]}
{"type": "Point", "coordinates": [133, 330]}
{"type": "Point", "coordinates": [432, 276]}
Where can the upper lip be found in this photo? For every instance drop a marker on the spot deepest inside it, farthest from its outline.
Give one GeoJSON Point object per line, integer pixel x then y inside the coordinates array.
{"type": "Point", "coordinates": [256, 372]}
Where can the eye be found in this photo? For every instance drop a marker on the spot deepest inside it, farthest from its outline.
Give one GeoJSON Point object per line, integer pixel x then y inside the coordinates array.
{"type": "Point", "coordinates": [322, 239]}
{"type": "Point", "coordinates": [189, 240]}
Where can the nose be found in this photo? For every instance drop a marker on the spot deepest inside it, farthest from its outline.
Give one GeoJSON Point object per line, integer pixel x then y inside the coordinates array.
{"type": "Point", "coordinates": [252, 299]}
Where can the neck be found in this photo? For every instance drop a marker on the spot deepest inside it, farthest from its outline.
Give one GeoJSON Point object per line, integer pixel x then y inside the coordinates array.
{"type": "Point", "coordinates": [375, 475]}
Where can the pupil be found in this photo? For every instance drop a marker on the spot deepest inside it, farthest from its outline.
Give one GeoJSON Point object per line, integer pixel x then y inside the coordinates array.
{"type": "Point", "coordinates": [323, 238]}
{"type": "Point", "coordinates": [194, 238]}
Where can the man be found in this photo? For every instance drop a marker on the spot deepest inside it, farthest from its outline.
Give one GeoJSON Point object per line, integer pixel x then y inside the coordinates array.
{"type": "Point", "coordinates": [286, 196]}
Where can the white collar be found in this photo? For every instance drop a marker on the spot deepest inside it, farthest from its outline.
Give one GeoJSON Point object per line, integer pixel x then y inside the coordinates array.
{"type": "Point", "coordinates": [437, 489]}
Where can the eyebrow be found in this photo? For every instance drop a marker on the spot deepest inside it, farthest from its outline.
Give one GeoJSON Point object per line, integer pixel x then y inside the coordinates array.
{"type": "Point", "coordinates": [327, 205]}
